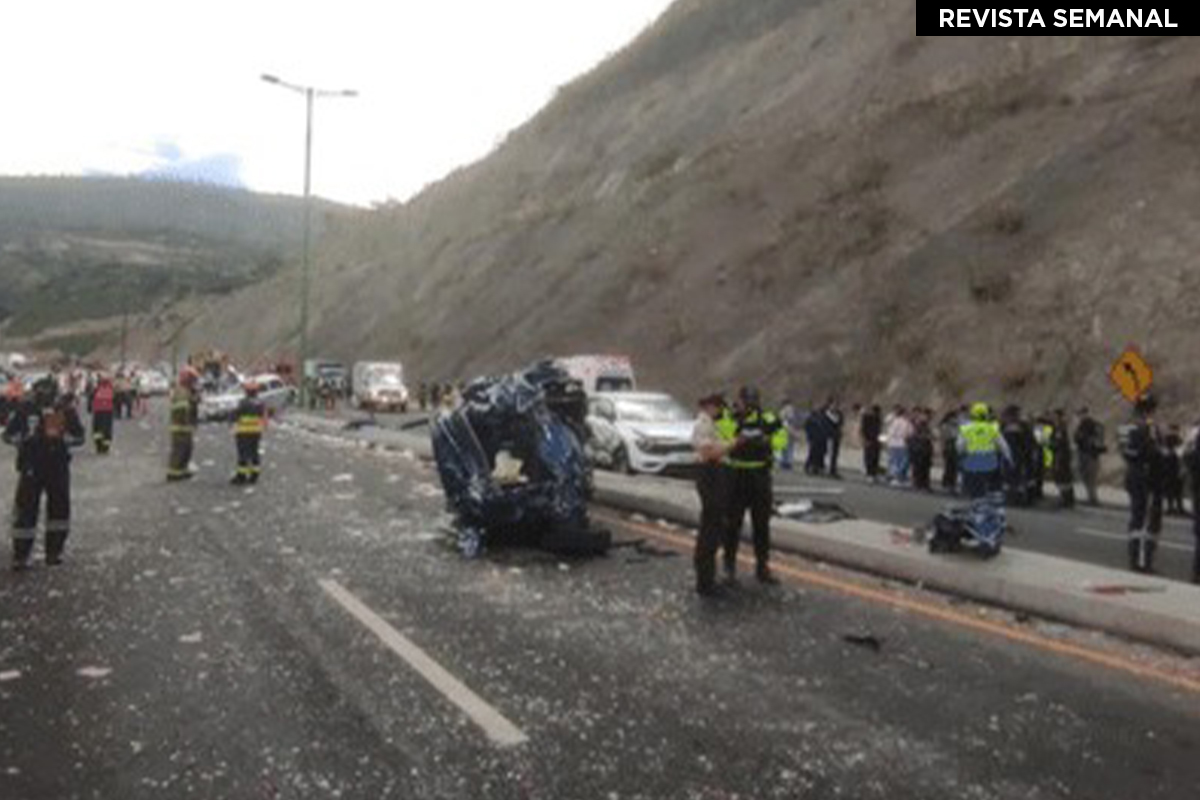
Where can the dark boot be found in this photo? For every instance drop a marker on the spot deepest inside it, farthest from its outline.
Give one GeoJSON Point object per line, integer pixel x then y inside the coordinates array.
{"type": "Point", "coordinates": [22, 550]}
{"type": "Point", "coordinates": [765, 576]}
{"type": "Point", "coordinates": [238, 479]}
{"type": "Point", "coordinates": [56, 541]}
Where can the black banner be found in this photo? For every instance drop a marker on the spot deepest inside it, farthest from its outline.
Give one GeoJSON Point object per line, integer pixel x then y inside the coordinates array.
{"type": "Point", "coordinates": [948, 18]}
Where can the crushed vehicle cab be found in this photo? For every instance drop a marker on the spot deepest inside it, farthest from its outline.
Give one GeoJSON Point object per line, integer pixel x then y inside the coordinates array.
{"type": "Point", "coordinates": [512, 463]}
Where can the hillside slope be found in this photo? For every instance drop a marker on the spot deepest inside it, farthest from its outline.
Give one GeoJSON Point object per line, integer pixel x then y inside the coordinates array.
{"type": "Point", "coordinates": [802, 194]}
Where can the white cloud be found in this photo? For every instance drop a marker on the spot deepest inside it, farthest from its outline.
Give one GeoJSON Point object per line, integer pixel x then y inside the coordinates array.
{"type": "Point", "coordinates": [102, 86]}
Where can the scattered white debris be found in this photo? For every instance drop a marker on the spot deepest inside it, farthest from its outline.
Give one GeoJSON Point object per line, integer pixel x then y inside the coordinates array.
{"type": "Point", "coordinates": [182, 512]}
{"type": "Point", "coordinates": [94, 672]}
{"type": "Point", "coordinates": [345, 477]}
{"type": "Point", "coordinates": [219, 509]}
{"type": "Point", "coordinates": [427, 490]}
{"type": "Point", "coordinates": [10, 675]}
{"type": "Point", "coordinates": [136, 747]}
{"type": "Point", "coordinates": [208, 463]}
{"type": "Point", "coordinates": [150, 573]}
{"type": "Point", "coordinates": [12, 771]}
{"type": "Point", "coordinates": [287, 551]}
{"type": "Point", "coordinates": [192, 638]}
{"type": "Point", "coordinates": [345, 496]}
{"type": "Point", "coordinates": [564, 567]}
{"type": "Point", "coordinates": [392, 479]}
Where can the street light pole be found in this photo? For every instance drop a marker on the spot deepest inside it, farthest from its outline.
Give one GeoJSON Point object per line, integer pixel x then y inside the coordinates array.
{"type": "Point", "coordinates": [310, 93]}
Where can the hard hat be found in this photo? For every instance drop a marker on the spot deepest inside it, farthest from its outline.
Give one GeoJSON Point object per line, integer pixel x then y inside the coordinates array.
{"type": "Point", "coordinates": [980, 411]}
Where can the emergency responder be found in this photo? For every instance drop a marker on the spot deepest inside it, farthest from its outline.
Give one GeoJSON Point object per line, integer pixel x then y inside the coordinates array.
{"type": "Point", "coordinates": [14, 394]}
{"type": "Point", "coordinates": [43, 429]}
{"type": "Point", "coordinates": [102, 414]}
{"type": "Point", "coordinates": [983, 452]}
{"type": "Point", "coordinates": [250, 420]}
{"type": "Point", "coordinates": [183, 426]}
{"type": "Point", "coordinates": [713, 485]}
{"type": "Point", "coordinates": [1042, 459]}
{"type": "Point", "coordinates": [757, 437]}
{"type": "Point", "coordinates": [1140, 444]}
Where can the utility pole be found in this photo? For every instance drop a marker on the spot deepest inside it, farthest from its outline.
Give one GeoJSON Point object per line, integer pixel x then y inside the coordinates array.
{"type": "Point", "coordinates": [310, 93]}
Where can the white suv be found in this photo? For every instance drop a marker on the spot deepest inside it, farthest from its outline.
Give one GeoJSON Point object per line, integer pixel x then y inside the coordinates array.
{"type": "Point", "coordinates": [639, 432]}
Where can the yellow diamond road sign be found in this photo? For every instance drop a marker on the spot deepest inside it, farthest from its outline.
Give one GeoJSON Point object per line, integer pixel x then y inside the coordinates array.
{"type": "Point", "coordinates": [1131, 375]}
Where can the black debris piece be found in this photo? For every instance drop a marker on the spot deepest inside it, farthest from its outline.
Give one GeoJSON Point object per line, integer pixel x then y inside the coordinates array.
{"type": "Point", "coordinates": [866, 640]}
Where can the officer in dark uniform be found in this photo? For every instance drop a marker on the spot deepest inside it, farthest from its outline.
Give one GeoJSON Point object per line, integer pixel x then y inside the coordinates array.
{"type": "Point", "coordinates": [43, 428]}
{"type": "Point", "coordinates": [1141, 445]}
{"type": "Point", "coordinates": [712, 484]}
{"type": "Point", "coordinates": [249, 423]}
{"type": "Point", "coordinates": [757, 436]}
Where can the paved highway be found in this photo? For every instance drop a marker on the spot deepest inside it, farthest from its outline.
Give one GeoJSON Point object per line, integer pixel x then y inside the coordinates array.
{"type": "Point", "coordinates": [316, 637]}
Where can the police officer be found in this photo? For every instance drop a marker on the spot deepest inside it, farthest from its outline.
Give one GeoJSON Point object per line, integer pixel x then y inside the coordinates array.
{"type": "Point", "coordinates": [757, 437]}
{"type": "Point", "coordinates": [982, 451]}
{"type": "Point", "coordinates": [183, 426]}
{"type": "Point", "coordinates": [249, 423]}
{"type": "Point", "coordinates": [1191, 460]}
{"type": "Point", "coordinates": [43, 429]}
{"type": "Point", "coordinates": [1140, 444]}
{"type": "Point", "coordinates": [713, 485]}
{"type": "Point", "coordinates": [102, 404]}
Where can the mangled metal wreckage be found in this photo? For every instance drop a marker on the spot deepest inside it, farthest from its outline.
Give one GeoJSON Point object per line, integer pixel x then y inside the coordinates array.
{"type": "Point", "coordinates": [512, 463]}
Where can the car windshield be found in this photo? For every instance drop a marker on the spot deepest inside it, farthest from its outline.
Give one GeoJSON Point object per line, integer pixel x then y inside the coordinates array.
{"type": "Point", "coordinates": [652, 409]}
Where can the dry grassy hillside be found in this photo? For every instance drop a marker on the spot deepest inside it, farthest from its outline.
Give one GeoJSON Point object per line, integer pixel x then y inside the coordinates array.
{"type": "Point", "coordinates": [801, 193]}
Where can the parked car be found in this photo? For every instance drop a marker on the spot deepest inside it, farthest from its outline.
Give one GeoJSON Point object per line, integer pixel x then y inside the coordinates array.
{"type": "Point", "coordinates": [151, 382]}
{"type": "Point", "coordinates": [379, 386]}
{"type": "Point", "coordinates": [220, 406]}
{"type": "Point", "coordinates": [639, 432]}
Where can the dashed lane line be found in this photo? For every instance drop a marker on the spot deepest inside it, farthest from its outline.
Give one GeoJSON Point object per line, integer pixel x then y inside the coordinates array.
{"type": "Point", "coordinates": [495, 726]}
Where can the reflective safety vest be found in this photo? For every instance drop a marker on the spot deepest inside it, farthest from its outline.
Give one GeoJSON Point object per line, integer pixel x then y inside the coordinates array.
{"type": "Point", "coordinates": [250, 419]}
{"type": "Point", "coordinates": [764, 438]}
{"type": "Point", "coordinates": [181, 411]}
{"type": "Point", "coordinates": [982, 446]}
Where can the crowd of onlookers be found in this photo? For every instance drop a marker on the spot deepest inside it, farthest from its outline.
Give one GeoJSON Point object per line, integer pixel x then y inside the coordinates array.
{"type": "Point", "coordinates": [902, 446]}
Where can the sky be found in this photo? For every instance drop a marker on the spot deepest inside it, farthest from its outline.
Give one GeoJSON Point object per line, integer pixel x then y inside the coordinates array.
{"type": "Point", "coordinates": [172, 87]}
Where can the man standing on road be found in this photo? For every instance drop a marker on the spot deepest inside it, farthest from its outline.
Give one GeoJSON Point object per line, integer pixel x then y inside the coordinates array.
{"type": "Point", "coordinates": [1191, 460]}
{"type": "Point", "coordinates": [757, 437]}
{"type": "Point", "coordinates": [835, 422]}
{"type": "Point", "coordinates": [790, 418]}
{"type": "Point", "coordinates": [183, 427]}
{"type": "Point", "coordinates": [899, 431]}
{"type": "Point", "coordinates": [103, 399]}
{"type": "Point", "coordinates": [1141, 448]}
{"type": "Point", "coordinates": [713, 485]}
{"type": "Point", "coordinates": [44, 429]}
{"type": "Point", "coordinates": [250, 421]}
{"type": "Point", "coordinates": [870, 430]}
{"type": "Point", "coordinates": [948, 433]}
{"type": "Point", "coordinates": [816, 430]}
{"type": "Point", "coordinates": [1061, 461]}
{"type": "Point", "coordinates": [983, 451]}
{"type": "Point", "coordinates": [1089, 444]}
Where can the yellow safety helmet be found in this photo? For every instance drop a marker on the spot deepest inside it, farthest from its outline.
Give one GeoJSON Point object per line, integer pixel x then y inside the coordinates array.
{"type": "Point", "coordinates": [980, 411]}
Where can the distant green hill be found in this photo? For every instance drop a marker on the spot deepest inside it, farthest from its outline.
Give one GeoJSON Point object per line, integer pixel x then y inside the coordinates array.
{"type": "Point", "coordinates": [84, 249]}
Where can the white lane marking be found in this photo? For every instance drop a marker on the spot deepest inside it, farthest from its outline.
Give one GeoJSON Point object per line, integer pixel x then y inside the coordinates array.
{"type": "Point", "coordinates": [502, 732]}
{"type": "Point", "coordinates": [1120, 537]}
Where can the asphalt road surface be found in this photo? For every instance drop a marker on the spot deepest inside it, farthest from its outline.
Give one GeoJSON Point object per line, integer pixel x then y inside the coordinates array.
{"type": "Point", "coordinates": [316, 637]}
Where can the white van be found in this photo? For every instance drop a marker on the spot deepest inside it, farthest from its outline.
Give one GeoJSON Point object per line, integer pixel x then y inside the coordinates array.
{"type": "Point", "coordinates": [379, 386]}
{"type": "Point", "coordinates": [600, 373]}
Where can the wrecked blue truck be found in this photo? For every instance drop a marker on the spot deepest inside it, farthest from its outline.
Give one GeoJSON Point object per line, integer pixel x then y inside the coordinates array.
{"type": "Point", "coordinates": [512, 463]}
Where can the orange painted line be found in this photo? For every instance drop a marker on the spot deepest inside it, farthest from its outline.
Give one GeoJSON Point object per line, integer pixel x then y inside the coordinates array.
{"type": "Point", "coordinates": [1001, 629]}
